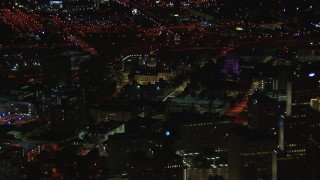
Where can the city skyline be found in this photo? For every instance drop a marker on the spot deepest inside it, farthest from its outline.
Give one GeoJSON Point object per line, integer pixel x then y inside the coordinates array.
{"type": "Point", "coordinates": [159, 89]}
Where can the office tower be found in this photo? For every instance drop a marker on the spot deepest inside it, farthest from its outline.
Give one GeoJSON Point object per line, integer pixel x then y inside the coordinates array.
{"type": "Point", "coordinates": [67, 113]}
{"type": "Point", "coordinates": [250, 154]}
{"type": "Point", "coordinates": [263, 112]}
{"type": "Point", "coordinates": [294, 126]}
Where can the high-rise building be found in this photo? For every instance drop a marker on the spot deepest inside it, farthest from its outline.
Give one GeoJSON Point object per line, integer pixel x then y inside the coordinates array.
{"type": "Point", "coordinates": [68, 114]}
{"type": "Point", "coordinates": [313, 157]}
{"type": "Point", "coordinates": [250, 154]}
{"type": "Point", "coordinates": [269, 84]}
{"type": "Point", "coordinates": [263, 112]}
{"type": "Point", "coordinates": [295, 125]}
{"type": "Point", "coordinates": [211, 130]}
{"type": "Point", "coordinates": [231, 64]}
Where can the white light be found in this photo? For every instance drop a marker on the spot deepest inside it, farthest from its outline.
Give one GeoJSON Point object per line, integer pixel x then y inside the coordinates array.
{"type": "Point", "coordinates": [312, 74]}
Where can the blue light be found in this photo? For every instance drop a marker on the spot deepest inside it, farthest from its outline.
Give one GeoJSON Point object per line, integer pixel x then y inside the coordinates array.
{"type": "Point", "coordinates": [281, 123]}
{"type": "Point", "coordinates": [167, 133]}
{"type": "Point", "coordinates": [312, 74]}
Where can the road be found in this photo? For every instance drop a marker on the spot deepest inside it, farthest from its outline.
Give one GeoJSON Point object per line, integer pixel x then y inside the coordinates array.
{"type": "Point", "coordinates": [175, 92]}
{"type": "Point", "coordinates": [242, 105]}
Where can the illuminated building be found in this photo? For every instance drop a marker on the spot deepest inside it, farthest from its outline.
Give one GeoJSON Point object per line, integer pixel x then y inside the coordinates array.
{"type": "Point", "coordinates": [82, 6]}
{"type": "Point", "coordinates": [313, 156]}
{"type": "Point", "coordinates": [203, 164]}
{"type": "Point", "coordinates": [124, 78]}
{"type": "Point", "coordinates": [231, 64]}
{"type": "Point", "coordinates": [211, 130]}
{"type": "Point", "coordinates": [32, 152]}
{"type": "Point", "coordinates": [68, 114]}
{"type": "Point", "coordinates": [269, 85]}
{"type": "Point", "coordinates": [250, 154]}
{"type": "Point", "coordinates": [299, 93]}
{"type": "Point", "coordinates": [149, 74]}
{"type": "Point", "coordinates": [315, 103]}
{"type": "Point", "coordinates": [205, 173]}
{"type": "Point", "coordinates": [19, 107]}
{"type": "Point", "coordinates": [308, 53]}
{"type": "Point", "coordinates": [55, 4]}
{"type": "Point", "coordinates": [295, 125]}
{"type": "Point", "coordinates": [149, 61]}
{"type": "Point", "coordinates": [148, 77]}
{"type": "Point", "coordinates": [197, 105]}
